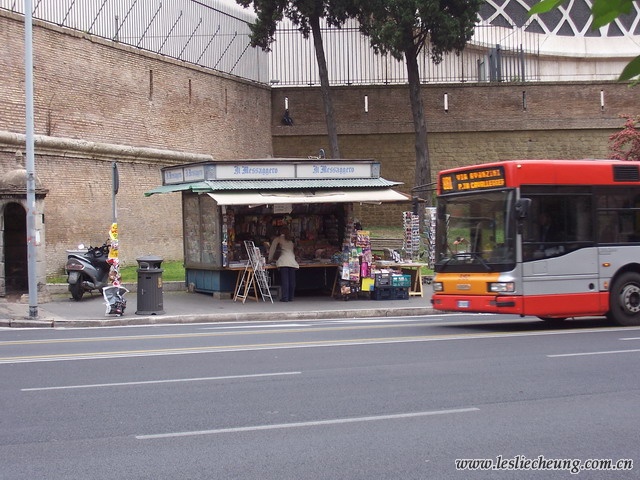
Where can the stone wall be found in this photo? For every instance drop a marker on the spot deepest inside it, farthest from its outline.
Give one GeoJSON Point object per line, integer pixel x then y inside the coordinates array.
{"type": "Point", "coordinates": [92, 89]}
{"type": "Point", "coordinates": [483, 122]}
{"type": "Point", "coordinates": [78, 207]}
{"type": "Point", "coordinates": [96, 102]}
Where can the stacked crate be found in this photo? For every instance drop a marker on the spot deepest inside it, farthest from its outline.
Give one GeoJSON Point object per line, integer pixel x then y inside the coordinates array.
{"type": "Point", "coordinates": [400, 286]}
{"type": "Point", "coordinates": [391, 286]}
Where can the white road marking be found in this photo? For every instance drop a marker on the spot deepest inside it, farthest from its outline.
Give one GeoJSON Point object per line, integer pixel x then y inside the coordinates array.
{"type": "Point", "coordinates": [360, 321]}
{"type": "Point", "coordinates": [317, 423]}
{"type": "Point", "coordinates": [239, 327]}
{"type": "Point", "coordinates": [584, 354]}
{"type": "Point", "coordinates": [274, 345]}
{"type": "Point", "coordinates": [150, 382]}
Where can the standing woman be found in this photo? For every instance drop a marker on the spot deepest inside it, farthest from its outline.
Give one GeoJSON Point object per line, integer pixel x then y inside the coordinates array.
{"type": "Point", "coordinates": [286, 263]}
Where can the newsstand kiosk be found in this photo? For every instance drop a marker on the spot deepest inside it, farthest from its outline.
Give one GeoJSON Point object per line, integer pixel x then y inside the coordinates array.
{"type": "Point", "coordinates": [227, 205]}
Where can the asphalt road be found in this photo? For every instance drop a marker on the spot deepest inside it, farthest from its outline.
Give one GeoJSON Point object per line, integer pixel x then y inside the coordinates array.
{"type": "Point", "coordinates": [348, 399]}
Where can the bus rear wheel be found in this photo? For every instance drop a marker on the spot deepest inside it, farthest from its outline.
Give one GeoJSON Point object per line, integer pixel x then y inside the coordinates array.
{"type": "Point", "coordinates": [624, 300]}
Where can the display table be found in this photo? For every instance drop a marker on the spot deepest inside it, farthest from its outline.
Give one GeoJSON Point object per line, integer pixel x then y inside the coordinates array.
{"type": "Point", "coordinates": [415, 270]}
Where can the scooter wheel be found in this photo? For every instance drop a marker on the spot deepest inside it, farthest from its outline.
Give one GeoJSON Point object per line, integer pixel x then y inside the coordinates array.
{"type": "Point", "coordinates": [76, 290]}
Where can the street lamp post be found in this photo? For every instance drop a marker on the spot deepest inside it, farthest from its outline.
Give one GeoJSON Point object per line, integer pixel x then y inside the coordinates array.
{"type": "Point", "coordinates": [32, 240]}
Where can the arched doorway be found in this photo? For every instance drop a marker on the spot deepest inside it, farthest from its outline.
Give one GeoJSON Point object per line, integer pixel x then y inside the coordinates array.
{"type": "Point", "coordinates": [15, 248]}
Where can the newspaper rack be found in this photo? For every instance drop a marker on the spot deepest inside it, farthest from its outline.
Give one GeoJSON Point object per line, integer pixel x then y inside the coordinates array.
{"type": "Point", "coordinates": [254, 277]}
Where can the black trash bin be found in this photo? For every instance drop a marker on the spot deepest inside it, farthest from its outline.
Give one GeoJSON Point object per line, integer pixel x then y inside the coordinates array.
{"type": "Point", "coordinates": [149, 285]}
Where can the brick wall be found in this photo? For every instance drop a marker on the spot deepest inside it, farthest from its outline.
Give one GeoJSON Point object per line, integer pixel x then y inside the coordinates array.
{"type": "Point", "coordinates": [78, 207]}
{"type": "Point", "coordinates": [484, 122]}
{"type": "Point", "coordinates": [98, 92]}
{"type": "Point", "coordinates": [91, 89]}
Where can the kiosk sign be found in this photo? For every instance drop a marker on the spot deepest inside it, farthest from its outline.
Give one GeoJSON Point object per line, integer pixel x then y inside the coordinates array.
{"type": "Point", "coordinates": [258, 170]}
{"type": "Point", "coordinates": [262, 171]}
{"type": "Point", "coordinates": [188, 173]}
{"type": "Point", "coordinates": [333, 170]}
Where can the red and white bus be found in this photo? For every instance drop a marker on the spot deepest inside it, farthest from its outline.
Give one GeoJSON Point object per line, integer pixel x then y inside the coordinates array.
{"type": "Point", "coordinates": [549, 238]}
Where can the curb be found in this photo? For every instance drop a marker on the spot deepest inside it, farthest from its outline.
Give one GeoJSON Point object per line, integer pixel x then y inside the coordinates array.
{"type": "Point", "coordinates": [63, 288]}
{"type": "Point", "coordinates": [10, 316]}
{"type": "Point", "coordinates": [213, 318]}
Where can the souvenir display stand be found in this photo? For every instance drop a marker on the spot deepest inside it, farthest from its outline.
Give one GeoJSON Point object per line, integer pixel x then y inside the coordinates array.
{"type": "Point", "coordinates": [411, 235]}
{"type": "Point", "coordinates": [430, 235]}
{"type": "Point", "coordinates": [356, 259]}
{"type": "Point", "coordinates": [363, 275]}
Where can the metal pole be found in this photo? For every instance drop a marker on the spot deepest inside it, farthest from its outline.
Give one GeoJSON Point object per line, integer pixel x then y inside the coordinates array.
{"type": "Point", "coordinates": [114, 191]}
{"type": "Point", "coordinates": [30, 164]}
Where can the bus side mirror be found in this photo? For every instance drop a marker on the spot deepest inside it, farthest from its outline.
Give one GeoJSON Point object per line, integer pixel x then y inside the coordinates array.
{"type": "Point", "coordinates": [522, 208]}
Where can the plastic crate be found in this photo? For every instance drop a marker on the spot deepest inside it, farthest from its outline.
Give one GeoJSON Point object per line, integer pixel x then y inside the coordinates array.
{"type": "Point", "coordinates": [401, 280]}
{"type": "Point", "coordinates": [382, 293]}
{"type": "Point", "coordinates": [383, 280]}
{"type": "Point", "coordinates": [400, 293]}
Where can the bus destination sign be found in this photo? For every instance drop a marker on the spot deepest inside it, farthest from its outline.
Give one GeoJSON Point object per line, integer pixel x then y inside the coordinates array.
{"type": "Point", "coordinates": [473, 179]}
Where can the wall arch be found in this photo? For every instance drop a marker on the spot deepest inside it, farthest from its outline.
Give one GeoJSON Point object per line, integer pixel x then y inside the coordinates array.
{"type": "Point", "coordinates": [14, 248]}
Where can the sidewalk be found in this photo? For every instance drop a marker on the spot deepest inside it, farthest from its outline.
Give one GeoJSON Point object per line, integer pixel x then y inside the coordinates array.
{"type": "Point", "coordinates": [180, 306]}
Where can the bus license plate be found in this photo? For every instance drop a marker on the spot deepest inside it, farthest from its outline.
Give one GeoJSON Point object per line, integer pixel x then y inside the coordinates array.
{"type": "Point", "coordinates": [463, 303]}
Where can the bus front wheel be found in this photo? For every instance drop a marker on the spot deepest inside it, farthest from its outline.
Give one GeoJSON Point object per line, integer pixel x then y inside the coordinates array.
{"type": "Point", "coordinates": [624, 300]}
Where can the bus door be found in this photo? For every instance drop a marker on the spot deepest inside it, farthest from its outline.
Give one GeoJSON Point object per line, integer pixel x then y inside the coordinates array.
{"type": "Point", "coordinates": [559, 258]}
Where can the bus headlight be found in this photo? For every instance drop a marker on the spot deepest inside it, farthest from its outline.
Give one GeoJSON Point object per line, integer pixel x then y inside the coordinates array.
{"type": "Point", "coordinates": [501, 287]}
{"type": "Point", "coordinates": [437, 286]}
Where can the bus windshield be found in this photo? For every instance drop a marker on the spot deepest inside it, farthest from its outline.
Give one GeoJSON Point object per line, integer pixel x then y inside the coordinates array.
{"type": "Point", "coordinates": [476, 232]}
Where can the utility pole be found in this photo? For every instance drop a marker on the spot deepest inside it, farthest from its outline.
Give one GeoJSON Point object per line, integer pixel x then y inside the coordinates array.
{"type": "Point", "coordinates": [30, 164]}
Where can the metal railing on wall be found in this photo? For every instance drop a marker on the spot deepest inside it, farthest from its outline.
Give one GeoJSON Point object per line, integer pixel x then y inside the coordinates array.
{"type": "Point", "coordinates": [208, 33]}
{"type": "Point", "coordinates": [214, 34]}
{"type": "Point", "coordinates": [496, 53]}
{"type": "Point", "coordinates": [492, 55]}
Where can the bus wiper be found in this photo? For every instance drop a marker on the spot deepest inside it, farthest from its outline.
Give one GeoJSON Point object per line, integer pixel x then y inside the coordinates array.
{"type": "Point", "coordinates": [463, 258]}
{"type": "Point", "coordinates": [446, 261]}
{"type": "Point", "coordinates": [481, 260]}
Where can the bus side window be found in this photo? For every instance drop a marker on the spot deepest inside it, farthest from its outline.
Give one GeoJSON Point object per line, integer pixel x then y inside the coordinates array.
{"type": "Point", "coordinates": [618, 215]}
{"type": "Point", "coordinates": [635, 237]}
{"type": "Point", "coordinates": [558, 223]}
{"type": "Point", "coordinates": [608, 228]}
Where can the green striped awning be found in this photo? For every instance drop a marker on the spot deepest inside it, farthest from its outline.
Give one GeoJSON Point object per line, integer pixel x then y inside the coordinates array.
{"type": "Point", "coordinates": [274, 185]}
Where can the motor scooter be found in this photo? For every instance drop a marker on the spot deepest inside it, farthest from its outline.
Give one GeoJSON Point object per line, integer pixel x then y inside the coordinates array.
{"type": "Point", "coordinates": [87, 271]}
